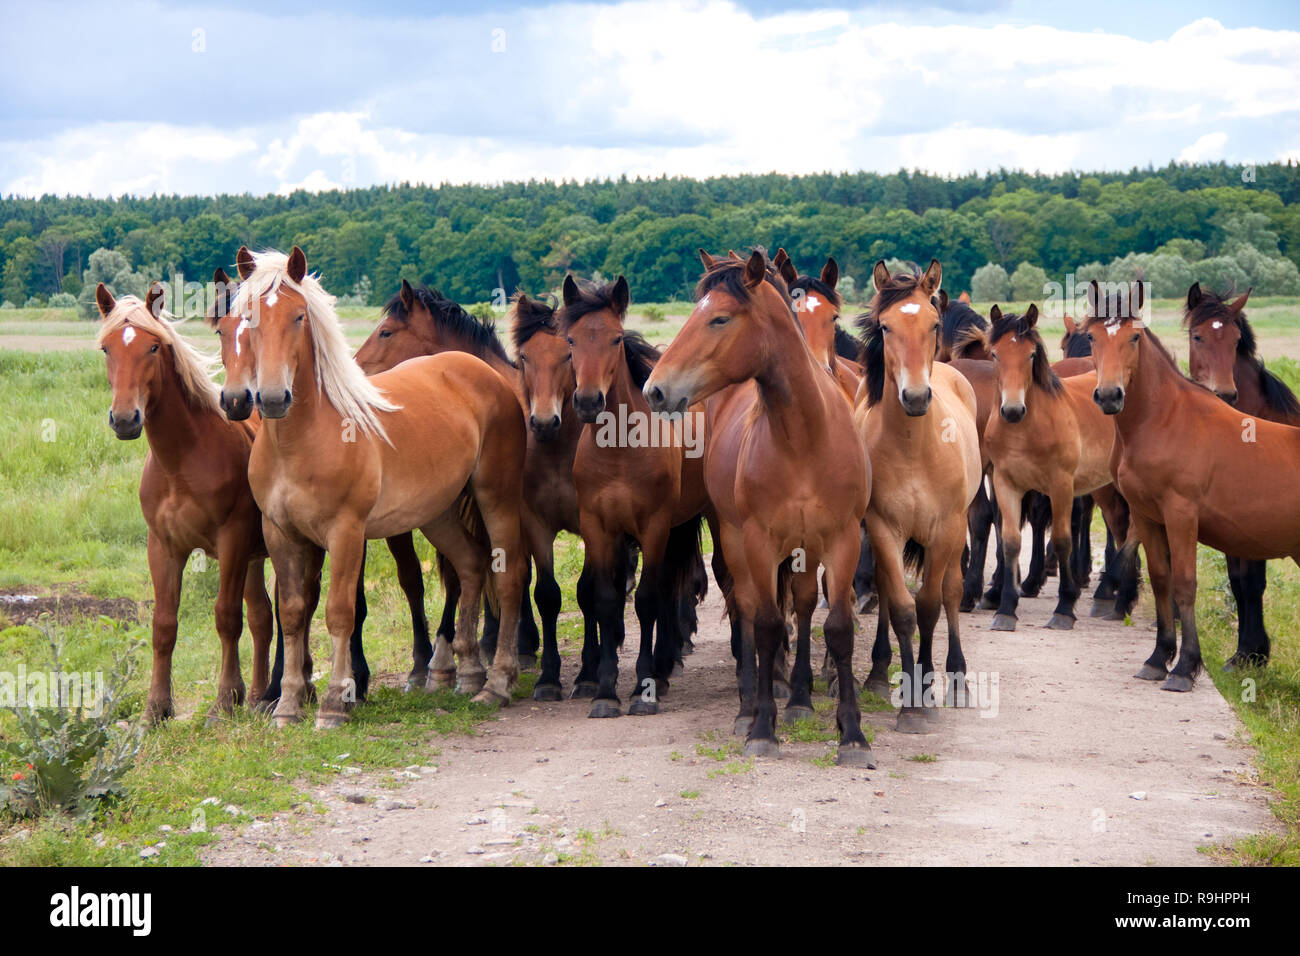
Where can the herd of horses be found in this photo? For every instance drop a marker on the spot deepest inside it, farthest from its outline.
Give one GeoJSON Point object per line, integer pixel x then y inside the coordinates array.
{"type": "Point", "coordinates": [868, 457]}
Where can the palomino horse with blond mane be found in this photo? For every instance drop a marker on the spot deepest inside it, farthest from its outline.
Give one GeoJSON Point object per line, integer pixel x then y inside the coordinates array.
{"type": "Point", "coordinates": [917, 421]}
{"type": "Point", "coordinates": [435, 444]}
{"type": "Point", "coordinates": [194, 490]}
{"type": "Point", "coordinates": [1223, 358]}
{"type": "Point", "coordinates": [641, 484]}
{"type": "Point", "coordinates": [1182, 459]}
{"type": "Point", "coordinates": [785, 474]}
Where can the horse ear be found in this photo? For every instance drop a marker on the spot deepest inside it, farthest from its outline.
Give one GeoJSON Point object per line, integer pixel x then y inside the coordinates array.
{"type": "Point", "coordinates": [880, 275]}
{"type": "Point", "coordinates": [782, 262]}
{"type": "Point", "coordinates": [943, 301]}
{"type": "Point", "coordinates": [1240, 302]}
{"type": "Point", "coordinates": [570, 290]}
{"type": "Point", "coordinates": [831, 272]}
{"type": "Point", "coordinates": [995, 314]}
{"type": "Point", "coordinates": [153, 302]}
{"type": "Point", "coordinates": [706, 260]}
{"type": "Point", "coordinates": [755, 269]}
{"type": "Point", "coordinates": [1070, 327]}
{"type": "Point", "coordinates": [1093, 293]}
{"type": "Point", "coordinates": [407, 296]}
{"type": "Point", "coordinates": [933, 278]}
{"type": "Point", "coordinates": [1193, 296]}
{"type": "Point", "coordinates": [104, 299]}
{"type": "Point", "coordinates": [297, 264]}
{"type": "Point", "coordinates": [244, 262]}
{"type": "Point", "coordinates": [621, 296]}
{"type": "Point", "coordinates": [1031, 315]}
{"type": "Point", "coordinates": [1137, 292]}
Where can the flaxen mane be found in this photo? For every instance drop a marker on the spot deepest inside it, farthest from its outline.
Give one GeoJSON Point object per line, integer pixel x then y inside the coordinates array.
{"type": "Point", "coordinates": [193, 368]}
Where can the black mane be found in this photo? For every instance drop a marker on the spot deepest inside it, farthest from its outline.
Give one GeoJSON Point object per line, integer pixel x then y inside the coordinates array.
{"type": "Point", "coordinates": [958, 318]}
{"type": "Point", "coordinates": [532, 315]}
{"type": "Point", "coordinates": [448, 315]}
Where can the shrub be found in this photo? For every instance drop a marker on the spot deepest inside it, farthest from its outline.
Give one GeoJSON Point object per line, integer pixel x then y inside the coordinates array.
{"type": "Point", "coordinates": [990, 283]}
{"type": "Point", "coordinates": [1028, 283]}
{"type": "Point", "coordinates": [653, 313]}
{"type": "Point", "coordinates": [63, 300]}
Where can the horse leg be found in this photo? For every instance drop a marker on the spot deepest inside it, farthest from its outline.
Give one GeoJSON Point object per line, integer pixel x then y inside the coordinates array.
{"type": "Point", "coordinates": [266, 703]}
{"type": "Point", "coordinates": [881, 653]}
{"type": "Point", "coordinates": [549, 601]}
{"type": "Point", "coordinates": [929, 602]}
{"type": "Point", "coordinates": [1068, 591]}
{"type": "Point", "coordinates": [165, 569]}
{"type": "Point", "coordinates": [892, 585]}
{"type": "Point", "coordinates": [1108, 579]}
{"type": "Point", "coordinates": [1156, 546]}
{"type": "Point", "coordinates": [729, 540]}
{"type": "Point", "coordinates": [487, 644]}
{"type": "Point", "coordinates": [357, 653]}
{"type": "Point", "coordinates": [1005, 619]}
{"type": "Point", "coordinates": [864, 576]}
{"type": "Point", "coordinates": [1248, 582]}
{"type": "Point", "coordinates": [769, 632]}
{"type": "Point", "coordinates": [1081, 536]}
{"type": "Point", "coordinates": [585, 685]}
{"type": "Point", "coordinates": [498, 504]}
{"type": "Point", "coordinates": [992, 597]}
{"type": "Point", "coordinates": [955, 664]}
{"type": "Point", "coordinates": [442, 665]}
{"type": "Point", "coordinates": [232, 558]}
{"type": "Point", "coordinates": [648, 598]}
{"type": "Point", "coordinates": [347, 550]}
{"type": "Point", "coordinates": [853, 749]}
{"type": "Point", "coordinates": [410, 576]}
{"type": "Point", "coordinates": [1039, 518]}
{"type": "Point", "coordinates": [1181, 531]}
{"type": "Point", "coordinates": [260, 624]}
{"type": "Point", "coordinates": [979, 522]}
{"type": "Point", "coordinates": [610, 598]}
{"type": "Point", "coordinates": [297, 564]}
{"type": "Point", "coordinates": [800, 704]}
{"type": "Point", "coordinates": [460, 663]}
{"type": "Point", "coordinates": [1123, 568]}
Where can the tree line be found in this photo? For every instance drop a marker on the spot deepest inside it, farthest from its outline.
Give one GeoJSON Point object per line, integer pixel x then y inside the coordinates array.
{"type": "Point", "coordinates": [1225, 224]}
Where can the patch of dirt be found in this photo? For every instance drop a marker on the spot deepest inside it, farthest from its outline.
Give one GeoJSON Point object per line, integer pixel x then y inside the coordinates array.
{"type": "Point", "coordinates": [24, 607]}
{"type": "Point", "coordinates": [1081, 764]}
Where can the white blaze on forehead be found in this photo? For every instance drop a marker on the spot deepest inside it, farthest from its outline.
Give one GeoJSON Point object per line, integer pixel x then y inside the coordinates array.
{"type": "Point", "coordinates": [128, 334]}
{"type": "Point", "coordinates": [703, 303]}
{"type": "Point", "coordinates": [1112, 328]}
{"type": "Point", "coordinates": [911, 308]}
{"type": "Point", "coordinates": [239, 333]}
{"type": "Point", "coordinates": [1217, 324]}
{"type": "Point", "coordinates": [809, 303]}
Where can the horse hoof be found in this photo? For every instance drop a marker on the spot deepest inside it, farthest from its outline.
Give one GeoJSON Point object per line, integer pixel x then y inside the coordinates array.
{"type": "Point", "coordinates": [1003, 622]}
{"type": "Point", "coordinates": [880, 688]}
{"type": "Point", "coordinates": [741, 726]}
{"type": "Point", "coordinates": [822, 603]}
{"type": "Point", "coordinates": [965, 607]}
{"type": "Point", "coordinates": [1151, 672]}
{"type": "Point", "coordinates": [470, 685]}
{"type": "Point", "coordinates": [1243, 662]}
{"type": "Point", "coordinates": [527, 662]}
{"type": "Point", "coordinates": [796, 712]}
{"type": "Point", "coordinates": [1102, 608]}
{"type": "Point", "coordinates": [488, 696]}
{"type": "Point", "coordinates": [604, 707]}
{"type": "Point", "coordinates": [264, 705]}
{"type": "Point", "coordinates": [912, 721]}
{"type": "Point", "coordinates": [987, 604]}
{"type": "Point", "coordinates": [678, 669]}
{"type": "Point", "coordinates": [762, 747]}
{"type": "Point", "coordinates": [1177, 683]}
{"type": "Point", "coordinates": [550, 693]}
{"type": "Point", "coordinates": [781, 689]}
{"type": "Point", "coordinates": [1029, 592]}
{"type": "Point", "coordinates": [583, 690]}
{"type": "Point", "coordinates": [287, 720]}
{"type": "Point", "coordinates": [330, 721]}
{"type": "Point", "coordinates": [688, 648]}
{"type": "Point", "coordinates": [1061, 622]}
{"type": "Point", "coordinates": [855, 755]}
{"type": "Point", "coordinates": [867, 603]}
{"type": "Point", "coordinates": [441, 680]}
{"type": "Point", "coordinates": [642, 708]}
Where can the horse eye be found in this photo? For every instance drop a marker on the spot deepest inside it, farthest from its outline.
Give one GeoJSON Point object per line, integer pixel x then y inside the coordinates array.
{"type": "Point", "coordinates": [570, 341]}
{"type": "Point", "coordinates": [719, 320]}
{"type": "Point", "coordinates": [1136, 336]}
{"type": "Point", "coordinates": [154, 349]}
{"type": "Point", "coordinates": [301, 317]}
{"type": "Point", "coordinates": [385, 334]}
{"type": "Point", "coordinates": [1196, 338]}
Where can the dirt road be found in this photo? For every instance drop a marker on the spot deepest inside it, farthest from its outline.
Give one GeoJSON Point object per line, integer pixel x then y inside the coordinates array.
{"type": "Point", "coordinates": [1078, 763]}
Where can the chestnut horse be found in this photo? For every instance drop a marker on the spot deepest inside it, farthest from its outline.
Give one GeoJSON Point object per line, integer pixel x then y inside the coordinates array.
{"type": "Point", "coordinates": [1223, 358]}
{"type": "Point", "coordinates": [1182, 459]}
{"type": "Point", "coordinates": [917, 420]}
{"type": "Point", "coordinates": [194, 490]}
{"type": "Point", "coordinates": [785, 474]}
{"type": "Point", "coordinates": [436, 444]}
{"type": "Point", "coordinates": [238, 404]}
{"type": "Point", "coordinates": [636, 478]}
{"type": "Point", "coordinates": [1046, 437]}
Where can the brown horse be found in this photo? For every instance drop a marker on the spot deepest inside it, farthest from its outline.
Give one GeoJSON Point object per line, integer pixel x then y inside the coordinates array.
{"type": "Point", "coordinates": [194, 490]}
{"type": "Point", "coordinates": [237, 402]}
{"type": "Point", "coordinates": [917, 420]}
{"type": "Point", "coordinates": [1047, 437]}
{"type": "Point", "coordinates": [1184, 460]}
{"type": "Point", "coordinates": [1223, 358]}
{"type": "Point", "coordinates": [785, 473]}
{"type": "Point", "coordinates": [817, 307]}
{"type": "Point", "coordinates": [435, 444]}
{"type": "Point", "coordinates": [636, 477]}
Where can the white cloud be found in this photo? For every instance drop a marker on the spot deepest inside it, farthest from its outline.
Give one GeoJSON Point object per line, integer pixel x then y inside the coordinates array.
{"type": "Point", "coordinates": [1208, 146]}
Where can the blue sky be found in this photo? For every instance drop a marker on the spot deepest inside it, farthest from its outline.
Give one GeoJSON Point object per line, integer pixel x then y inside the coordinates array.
{"type": "Point", "coordinates": [145, 97]}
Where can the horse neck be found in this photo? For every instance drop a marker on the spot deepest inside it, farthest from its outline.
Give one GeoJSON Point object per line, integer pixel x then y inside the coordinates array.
{"type": "Point", "coordinates": [1149, 390]}
{"type": "Point", "coordinates": [308, 405]}
{"type": "Point", "coordinates": [171, 422]}
{"type": "Point", "coordinates": [623, 390]}
{"type": "Point", "coordinates": [788, 387]}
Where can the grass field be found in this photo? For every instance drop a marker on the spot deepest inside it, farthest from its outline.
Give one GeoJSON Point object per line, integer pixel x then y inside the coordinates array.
{"type": "Point", "coordinates": [70, 524]}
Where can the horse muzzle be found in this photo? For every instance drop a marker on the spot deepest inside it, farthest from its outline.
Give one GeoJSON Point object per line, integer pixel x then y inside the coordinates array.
{"type": "Point", "coordinates": [1228, 396]}
{"type": "Point", "coordinates": [1110, 399]}
{"type": "Point", "coordinates": [544, 429]}
{"type": "Point", "coordinates": [588, 405]}
{"type": "Point", "coordinates": [915, 401]}
{"type": "Point", "coordinates": [1012, 414]}
{"type": "Point", "coordinates": [664, 401]}
{"type": "Point", "coordinates": [126, 428]}
{"type": "Point", "coordinates": [274, 404]}
{"type": "Point", "coordinates": [237, 405]}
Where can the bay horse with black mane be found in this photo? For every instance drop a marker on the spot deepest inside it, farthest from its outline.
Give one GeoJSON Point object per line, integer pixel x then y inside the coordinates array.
{"type": "Point", "coordinates": [194, 490]}
{"type": "Point", "coordinates": [917, 421]}
{"type": "Point", "coordinates": [435, 444]}
{"type": "Point", "coordinates": [786, 478]}
{"type": "Point", "coordinates": [1190, 467]}
{"type": "Point", "coordinates": [1223, 357]}
{"type": "Point", "coordinates": [636, 480]}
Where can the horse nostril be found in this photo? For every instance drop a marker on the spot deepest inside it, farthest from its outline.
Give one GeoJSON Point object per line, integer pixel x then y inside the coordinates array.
{"type": "Point", "coordinates": [657, 395]}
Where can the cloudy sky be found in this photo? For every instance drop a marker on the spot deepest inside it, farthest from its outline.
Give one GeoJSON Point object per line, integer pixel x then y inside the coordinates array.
{"type": "Point", "coordinates": [243, 96]}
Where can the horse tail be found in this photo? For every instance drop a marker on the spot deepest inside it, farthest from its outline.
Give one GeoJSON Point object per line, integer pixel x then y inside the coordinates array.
{"type": "Point", "coordinates": [684, 560]}
{"type": "Point", "coordinates": [471, 519]}
{"type": "Point", "coordinates": [913, 555]}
